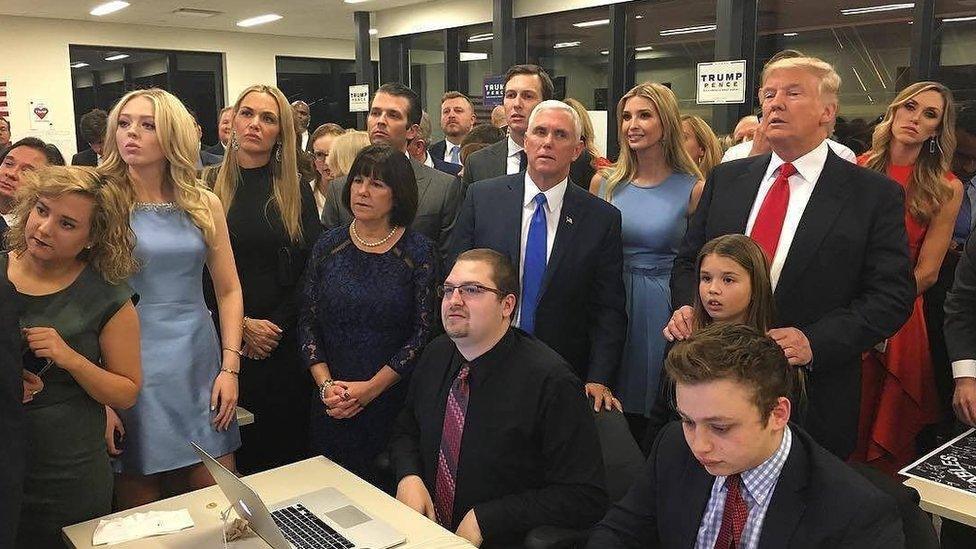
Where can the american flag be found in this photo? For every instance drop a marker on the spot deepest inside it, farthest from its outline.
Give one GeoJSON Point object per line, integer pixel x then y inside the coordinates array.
{"type": "Point", "coordinates": [4, 109]}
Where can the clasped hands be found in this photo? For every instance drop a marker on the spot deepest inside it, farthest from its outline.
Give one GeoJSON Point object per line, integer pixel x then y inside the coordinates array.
{"type": "Point", "coordinates": [261, 338]}
{"type": "Point", "coordinates": [794, 343]}
{"type": "Point", "coordinates": [345, 399]}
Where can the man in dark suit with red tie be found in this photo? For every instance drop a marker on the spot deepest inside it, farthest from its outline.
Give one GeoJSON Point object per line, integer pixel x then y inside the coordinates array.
{"type": "Point", "coordinates": [835, 236]}
{"type": "Point", "coordinates": [735, 473]}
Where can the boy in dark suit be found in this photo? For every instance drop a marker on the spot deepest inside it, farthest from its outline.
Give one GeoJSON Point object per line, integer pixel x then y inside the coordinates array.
{"type": "Point", "coordinates": [734, 473]}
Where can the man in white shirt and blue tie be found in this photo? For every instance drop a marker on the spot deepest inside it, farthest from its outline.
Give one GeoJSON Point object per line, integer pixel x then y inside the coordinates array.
{"type": "Point", "coordinates": [457, 119]}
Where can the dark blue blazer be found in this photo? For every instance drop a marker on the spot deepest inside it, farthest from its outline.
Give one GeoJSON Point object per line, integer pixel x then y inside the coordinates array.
{"type": "Point", "coordinates": [581, 312]}
{"type": "Point", "coordinates": [438, 149]}
{"type": "Point", "coordinates": [847, 283]}
{"type": "Point", "coordinates": [818, 502]}
{"type": "Point", "coordinates": [446, 167]}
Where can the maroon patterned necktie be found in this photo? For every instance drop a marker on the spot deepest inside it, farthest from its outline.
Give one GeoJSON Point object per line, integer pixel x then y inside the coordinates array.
{"type": "Point", "coordinates": [447, 459]}
{"type": "Point", "coordinates": [734, 515]}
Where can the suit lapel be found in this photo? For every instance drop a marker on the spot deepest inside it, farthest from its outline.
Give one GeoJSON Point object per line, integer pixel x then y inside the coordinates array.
{"type": "Point", "coordinates": [697, 489]}
{"type": "Point", "coordinates": [569, 219]}
{"type": "Point", "coordinates": [825, 203]}
{"type": "Point", "coordinates": [423, 181]}
{"type": "Point", "coordinates": [788, 503]}
{"type": "Point", "coordinates": [499, 166]}
{"type": "Point", "coordinates": [511, 214]}
{"type": "Point", "coordinates": [741, 194]}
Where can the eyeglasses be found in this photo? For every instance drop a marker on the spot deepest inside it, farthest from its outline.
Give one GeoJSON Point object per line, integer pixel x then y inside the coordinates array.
{"type": "Point", "coordinates": [467, 290]}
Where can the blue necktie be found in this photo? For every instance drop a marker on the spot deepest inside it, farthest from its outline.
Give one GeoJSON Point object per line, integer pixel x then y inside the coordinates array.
{"type": "Point", "coordinates": [455, 155]}
{"type": "Point", "coordinates": [964, 221]}
{"type": "Point", "coordinates": [535, 264]}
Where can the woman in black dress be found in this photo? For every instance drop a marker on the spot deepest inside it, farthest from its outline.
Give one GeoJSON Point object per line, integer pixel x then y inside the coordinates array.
{"type": "Point", "coordinates": [273, 225]}
{"type": "Point", "coordinates": [367, 311]}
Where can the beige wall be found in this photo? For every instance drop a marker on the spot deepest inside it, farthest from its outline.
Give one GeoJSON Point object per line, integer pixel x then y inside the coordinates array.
{"type": "Point", "coordinates": [35, 61]}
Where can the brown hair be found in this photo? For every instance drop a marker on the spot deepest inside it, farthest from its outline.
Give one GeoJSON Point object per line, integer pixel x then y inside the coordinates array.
{"type": "Point", "coordinates": [456, 95]}
{"type": "Point", "coordinates": [927, 191]}
{"type": "Point", "coordinates": [739, 353]}
{"type": "Point", "coordinates": [548, 90]}
{"type": "Point", "coordinates": [111, 237]}
{"type": "Point", "coordinates": [744, 251]}
{"type": "Point", "coordinates": [504, 275]}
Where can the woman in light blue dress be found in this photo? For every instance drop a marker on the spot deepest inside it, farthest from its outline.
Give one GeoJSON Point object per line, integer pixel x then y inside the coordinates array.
{"type": "Point", "coordinates": [655, 185]}
{"type": "Point", "coordinates": [189, 391]}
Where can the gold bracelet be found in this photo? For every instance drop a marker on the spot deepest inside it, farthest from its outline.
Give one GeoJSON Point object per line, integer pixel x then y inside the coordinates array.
{"type": "Point", "coordinates": [237, 352]}
{"type": "Point", "coordinates": [229, 371]}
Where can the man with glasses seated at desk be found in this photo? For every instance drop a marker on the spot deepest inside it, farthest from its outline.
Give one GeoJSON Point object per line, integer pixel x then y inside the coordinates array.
{"type": "Point", "coordinates": [530, 454]}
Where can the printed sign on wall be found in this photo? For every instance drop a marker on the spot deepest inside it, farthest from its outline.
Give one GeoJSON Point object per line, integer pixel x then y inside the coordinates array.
{"type": "Point", "coordinates": [359, 98]}
{"type": "Point", "coordinates": [721, 82]}
{"type": "Point", "coordinates": [494, 91]}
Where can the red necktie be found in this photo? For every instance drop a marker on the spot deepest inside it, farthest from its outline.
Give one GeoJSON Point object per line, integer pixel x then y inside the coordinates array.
{"type": "Point", "coordinates": [769, 222]}
{"type": "Point", "coordinates": [447, 460]}
{"type": "Point", "coordinates": [734, 515]}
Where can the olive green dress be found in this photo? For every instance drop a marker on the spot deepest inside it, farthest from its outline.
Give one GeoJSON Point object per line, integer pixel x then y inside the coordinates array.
{"type": "Point", "coordinates": [68, 478]}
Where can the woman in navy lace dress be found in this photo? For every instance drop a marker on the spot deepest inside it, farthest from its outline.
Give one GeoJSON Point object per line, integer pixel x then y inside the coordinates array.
{"type": "Point", "coordinates": [367, 311]}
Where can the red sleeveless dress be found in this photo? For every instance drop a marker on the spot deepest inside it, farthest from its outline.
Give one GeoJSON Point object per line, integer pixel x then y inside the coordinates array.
{"type": "Point", "coordinates": [898, 393]}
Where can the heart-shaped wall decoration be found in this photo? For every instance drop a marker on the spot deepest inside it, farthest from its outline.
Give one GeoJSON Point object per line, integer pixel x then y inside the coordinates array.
{"type": "Point", "coordinates": [40, 112]}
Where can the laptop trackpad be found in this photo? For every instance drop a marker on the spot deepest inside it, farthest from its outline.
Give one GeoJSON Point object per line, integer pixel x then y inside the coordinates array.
{"type": "Point", "coordinates": [348, 516]}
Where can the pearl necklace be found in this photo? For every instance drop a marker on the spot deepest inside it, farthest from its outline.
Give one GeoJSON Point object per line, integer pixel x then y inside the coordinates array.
{"type": "Point", "coordinates": [371, 244]}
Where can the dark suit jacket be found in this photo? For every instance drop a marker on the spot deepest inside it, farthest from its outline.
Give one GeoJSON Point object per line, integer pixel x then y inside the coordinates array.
{"type": "Point", "coordinates": [960, 307]}
{"type": "Point", "coordinates": [438, 149]}
{"type": "Point", "coordinates": [12, 447]}
{"type": "Point", "coordinates": [530, 454]}
{"type": "Point", "coordinates": [210, 159]}
{"type": "Point", "coordinates": [818, 501]}
{"type": "Point", "coordinates": [86, 157]}
{"type": "Point", "coordinates": [439, 198]}
{"type": "Point", "coordinates": [492, 161]}
{"type": "Point", "coordinates": [446, 167]}
{"type": "Point", "coordinates": [847, 283]}
{"type": "Point", "coordinates": [581, 312]}
{"type": "Point", "coordinates": [217, 149]}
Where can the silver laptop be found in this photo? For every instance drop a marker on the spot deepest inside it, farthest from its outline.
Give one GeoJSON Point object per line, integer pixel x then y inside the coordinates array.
{"type": "Point", "coordinates": [325, 518]}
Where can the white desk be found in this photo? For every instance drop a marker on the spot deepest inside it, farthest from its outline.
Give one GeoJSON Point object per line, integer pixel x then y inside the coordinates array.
{"type": "Point", "coordinates": [942, 501]}
{"type": "Point", "coordinates": [276, 485]}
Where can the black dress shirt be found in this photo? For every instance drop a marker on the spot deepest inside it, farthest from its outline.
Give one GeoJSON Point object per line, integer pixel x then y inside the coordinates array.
{"type": "Point", "coordinates": [529, 456]}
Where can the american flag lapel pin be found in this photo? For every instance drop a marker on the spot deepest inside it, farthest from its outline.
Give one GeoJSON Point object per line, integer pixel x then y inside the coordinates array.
{"type": "Point", "coordinates": [569, 220]}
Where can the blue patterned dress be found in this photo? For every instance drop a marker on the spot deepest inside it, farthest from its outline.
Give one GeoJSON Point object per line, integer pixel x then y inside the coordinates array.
{"type": "Point", "coordinates": [180, 350]}
{"type": "Point", "coordinates": [653, 221]}
{"type": "Point", "coordinates": [362, 311]}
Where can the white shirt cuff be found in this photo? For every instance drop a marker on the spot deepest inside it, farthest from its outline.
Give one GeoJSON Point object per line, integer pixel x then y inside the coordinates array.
{"type": "Point", "coordinates": [964, 368]}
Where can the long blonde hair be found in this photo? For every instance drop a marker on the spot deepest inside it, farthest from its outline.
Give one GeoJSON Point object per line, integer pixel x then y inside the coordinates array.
{"type": "Point", "coordinates": [176, 133]}
{"type": "Point", "coordinates": [111, 237]}
{"type": "Point", "coordinates": [707, 141]}
{"type": "Point", "coordinates": [927, 192]}
{"type": "Point", "coordinates": [675, 154]}
{"type": "Point", "coordinates": [286, 193]}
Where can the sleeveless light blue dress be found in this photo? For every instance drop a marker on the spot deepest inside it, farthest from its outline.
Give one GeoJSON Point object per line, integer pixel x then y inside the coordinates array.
{"type": "Point", "coordinates": [653, 222]}
{"type": "Point", "coordinates": [180, 351]}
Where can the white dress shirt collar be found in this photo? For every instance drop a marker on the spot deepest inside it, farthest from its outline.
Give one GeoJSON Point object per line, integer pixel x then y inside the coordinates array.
{"type": "Point", "coordinates": [554, 196]}
{"type": "Point", "coordinates": [513, 147]}
{"type": "Point", "coordinates": [808, 166]}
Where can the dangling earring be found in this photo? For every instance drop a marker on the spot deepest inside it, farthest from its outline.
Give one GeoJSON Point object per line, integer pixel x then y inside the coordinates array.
{"type": "Point", "coordinates": [278, 152]}
{"type": "Point", "coordinates": [234, 143]}
{"type": "Point", "coordinates": [932, 145]}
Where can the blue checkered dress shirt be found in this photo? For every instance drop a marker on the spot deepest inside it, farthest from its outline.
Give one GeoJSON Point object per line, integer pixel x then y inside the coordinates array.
{"type": "Point", "coordinates": [757, 489]}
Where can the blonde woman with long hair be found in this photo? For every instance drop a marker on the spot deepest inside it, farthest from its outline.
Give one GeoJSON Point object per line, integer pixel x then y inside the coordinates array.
{"type": "Point", "coordinates": [189, 374]}
{"type": "Point", "coordinates": [273, 224]}
{"type": "Point", "coordinates": [913, 145]}
{"type": "Point", "coordinates": [700, 143]}
{"type": "Point", "coordinates": [70, 254]}
{"type": "Point", "coordinates": [655, 185]}
{"type": "Point", "coordinates": [344, 150]}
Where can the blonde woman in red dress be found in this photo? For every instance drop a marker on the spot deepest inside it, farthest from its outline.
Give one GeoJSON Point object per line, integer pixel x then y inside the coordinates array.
{"type": "Point", "coordinates": [913, 145]}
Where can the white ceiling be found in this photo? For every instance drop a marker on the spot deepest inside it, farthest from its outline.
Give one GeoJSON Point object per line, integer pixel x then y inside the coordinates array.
{"type": "Point", "coordinates": [312, 18]}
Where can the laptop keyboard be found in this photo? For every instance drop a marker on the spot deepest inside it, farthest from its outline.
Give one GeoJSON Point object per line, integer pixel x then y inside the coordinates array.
{"type": "Point", "coordinates": [304, 530]}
